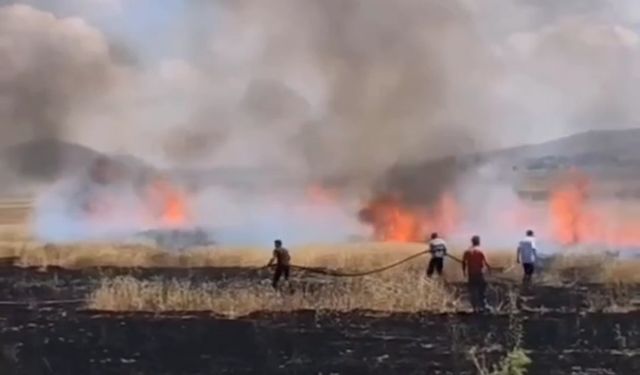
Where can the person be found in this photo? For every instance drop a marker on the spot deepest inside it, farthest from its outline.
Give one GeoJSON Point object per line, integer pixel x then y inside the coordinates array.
{"type": "Point", "coordinates": [474, 264]}
{"type": "Point", "coordinates": [527, 256]}
{"type": "Point", "coordinates": [438, 250]}
{"type": "Point", "coordinates": [282, 259]}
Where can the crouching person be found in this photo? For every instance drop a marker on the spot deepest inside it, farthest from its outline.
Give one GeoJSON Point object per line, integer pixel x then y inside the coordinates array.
{"type": "Point", "coordinates": [282, 260]}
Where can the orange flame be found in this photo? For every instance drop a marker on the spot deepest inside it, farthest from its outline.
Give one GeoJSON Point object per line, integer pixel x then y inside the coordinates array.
{"type": "Point", "coordinates": [394, 221]}
{"type": "Point", "coordinates": [570, 216]}
{"type": "Point", "coordinates": [170, 202]}
{"type": "Point", "coordinates": [576, 219]}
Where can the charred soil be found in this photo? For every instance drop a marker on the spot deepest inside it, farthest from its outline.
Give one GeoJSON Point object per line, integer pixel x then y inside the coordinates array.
{"type": "Point", "coordinates": [45, 328]}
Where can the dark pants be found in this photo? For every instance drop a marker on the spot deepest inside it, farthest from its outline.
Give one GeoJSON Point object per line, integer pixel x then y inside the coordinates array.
{"type": "Point", "coordinates": [280, 271]}
{"type": "Point", "coordinates": [477, 289]}
{"type": "Point", "coordinates": [528, 269]}
{"type": "Point", "coordinates": [435, 265]}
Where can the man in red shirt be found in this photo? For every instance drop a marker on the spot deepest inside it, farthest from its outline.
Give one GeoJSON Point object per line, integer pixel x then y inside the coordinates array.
{"type": "Point", "coordinates": [474, 264]}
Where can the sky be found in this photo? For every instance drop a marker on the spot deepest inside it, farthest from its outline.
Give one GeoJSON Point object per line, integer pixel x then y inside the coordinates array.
{"type": "Point", "coordinates": [137, 21]}
{"type": "Point", "coordinates": [140, 24]}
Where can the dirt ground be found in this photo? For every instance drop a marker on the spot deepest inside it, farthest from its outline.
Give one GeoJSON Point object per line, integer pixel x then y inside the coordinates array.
{"type": "Point", "coordinates": [565, 330]}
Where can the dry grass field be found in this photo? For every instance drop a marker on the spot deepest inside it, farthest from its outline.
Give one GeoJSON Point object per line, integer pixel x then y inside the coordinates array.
{"type": "Point", "coordinates": [239, 298]}
{"type": "Point", "coordinates": [400, 289]}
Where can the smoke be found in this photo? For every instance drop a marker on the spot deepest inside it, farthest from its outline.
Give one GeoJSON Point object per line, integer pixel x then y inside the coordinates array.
{"type": "Point", "coordinates": [363, 93]}
{"type": "Point", "coordinates": [583, 74]}
{"type": "Point", "coordinates": [338, 86]}
{"type": "Point", "coordinates": [50, 67]}
{"type": "Point", "coordinates": [370, 97]}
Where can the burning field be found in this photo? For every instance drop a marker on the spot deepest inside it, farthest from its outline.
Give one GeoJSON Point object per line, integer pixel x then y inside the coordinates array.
{"type": "Point", "coordinates": [151, 154]}
{"type": "Point", "coordinates": [118, 307]}
{"type": "Point", "coordinates": [115, 202]}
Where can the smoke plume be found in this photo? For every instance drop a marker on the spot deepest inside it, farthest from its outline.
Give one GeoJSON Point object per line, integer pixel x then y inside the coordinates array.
{"type": "Point", "coordinates": [337, 86]}
{"type": "Point", "coordinates": [370, 97]}
{"type": "Point", "coordinates": [50, 67]}
{"type": "Point", "coordinates": [356, 91]}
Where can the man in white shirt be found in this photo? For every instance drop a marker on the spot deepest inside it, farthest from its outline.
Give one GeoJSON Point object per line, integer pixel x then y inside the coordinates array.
{"type": "Point", "coordinates": [527, 256]}
{"type": "Point", "coordinates": [438, 250]}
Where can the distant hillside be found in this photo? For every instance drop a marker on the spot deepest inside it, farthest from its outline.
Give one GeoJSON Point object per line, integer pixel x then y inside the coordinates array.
{"type": "Point", "coordinates": [46, 159]}
{"type": "Point", "coordinates": [26, 166]}
{"type": "Point", "coordinates": [593, 149]}
{"type": "Point", "coordinates": [611, 157]}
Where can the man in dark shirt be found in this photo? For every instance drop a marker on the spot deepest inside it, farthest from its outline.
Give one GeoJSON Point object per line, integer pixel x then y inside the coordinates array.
{"type": "Point", "coordinates": [474, 264]}
{"type": "Point", "coordinates": [282, 259]}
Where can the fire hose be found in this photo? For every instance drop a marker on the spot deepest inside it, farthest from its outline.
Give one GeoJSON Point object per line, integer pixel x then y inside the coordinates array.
{"type": "Point", "coordinates": [316, 270]}
{"type": "Point", "coordinates": [330, 272]}
{"type": "Point", "coordinates": [335, 273]}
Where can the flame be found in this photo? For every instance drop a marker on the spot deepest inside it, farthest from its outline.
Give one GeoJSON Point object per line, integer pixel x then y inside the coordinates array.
{"type": "Point", "coordinates": [392, 220]}
{"type": "Point", "coordinates": [570, 216]}
{"type": "Point", "coordinates": [169, 201]}
{"type": "Point", "coordinates": [577, 219]}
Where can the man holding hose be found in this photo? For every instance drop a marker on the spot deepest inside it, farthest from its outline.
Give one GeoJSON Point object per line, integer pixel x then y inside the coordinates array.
{"type": "Point", "coordinates": [282, 260]}
{"type": "Point", "coordinates": [438, 250]}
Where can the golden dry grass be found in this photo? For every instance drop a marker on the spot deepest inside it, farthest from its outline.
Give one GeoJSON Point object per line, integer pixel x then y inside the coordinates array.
{"type": "Point", "coordinates": [346, 257]}
{"type": "Point", "coordinates": [239, 298]}
{"type": "Point", "coordinates": [400, 289]}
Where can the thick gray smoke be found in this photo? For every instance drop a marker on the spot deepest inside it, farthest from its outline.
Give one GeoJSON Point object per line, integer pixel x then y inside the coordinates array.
{"type": "Point", "coordinates": [50, 67]}
{"type": "Point", "coordinates": [359, 94]}
{"type": "Point", "coordinates": [348, 89]}
{"type": "Point", "coordinates": [355, 91]}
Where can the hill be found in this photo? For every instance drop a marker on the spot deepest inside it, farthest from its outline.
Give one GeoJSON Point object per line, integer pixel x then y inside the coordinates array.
{"type": "Point", "coordinates": [590, 150]}
{"type": "Point", "coordinates": [45, 159]}
{"type": "Point", "coordinates": [26, 166]}
{"type": "Point", "coordinates": [610, 157]}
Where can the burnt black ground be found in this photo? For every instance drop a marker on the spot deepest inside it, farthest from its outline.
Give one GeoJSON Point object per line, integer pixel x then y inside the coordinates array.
{"type": "Point", "coordinates": [559, 332]}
